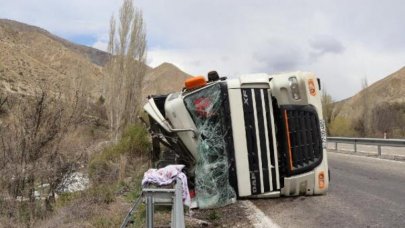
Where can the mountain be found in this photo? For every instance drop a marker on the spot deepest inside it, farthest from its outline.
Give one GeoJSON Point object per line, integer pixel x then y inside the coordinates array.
{"type": "Point", "coordinates": [379, 107]}
{"type": "Point", "coordinates": [31, 56]}
{"type": "Point", "coordinates": [96, 56]}
{"type": "Point", "coordinates": [164, 79]}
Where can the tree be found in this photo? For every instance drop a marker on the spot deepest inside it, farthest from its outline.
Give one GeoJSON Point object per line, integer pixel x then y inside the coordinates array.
{"type": "Point", "coordinates": [126, 69]}
{"type": "Point", "coordinates": [361, 124]}
{"type": "Point", "coordinates": [30, 143]}
{"type": "Point", "coordinates": [390, 118]}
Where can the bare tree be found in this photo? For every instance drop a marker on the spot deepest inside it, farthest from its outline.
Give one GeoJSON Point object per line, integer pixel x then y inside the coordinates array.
{"type": "Point", "coordinates": [127, 68]}
{"type": "Point", "coordinates": [362, 122]}
{"type": "Point", "coordinates": [31, 145]}
{"type": "Point", "coordinates": [389, 117]}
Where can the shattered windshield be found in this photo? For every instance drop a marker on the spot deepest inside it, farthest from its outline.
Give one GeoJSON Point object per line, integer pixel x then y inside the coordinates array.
{"type": "Point", "coordinates": [211, 171]}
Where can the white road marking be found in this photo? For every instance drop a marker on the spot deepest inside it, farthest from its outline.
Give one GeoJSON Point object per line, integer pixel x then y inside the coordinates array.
{"type": "Point", "coordinates": [257, 217]}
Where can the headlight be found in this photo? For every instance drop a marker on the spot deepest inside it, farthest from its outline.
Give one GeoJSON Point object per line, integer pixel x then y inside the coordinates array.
{"type": "Point", "coordinates": [295, 90]}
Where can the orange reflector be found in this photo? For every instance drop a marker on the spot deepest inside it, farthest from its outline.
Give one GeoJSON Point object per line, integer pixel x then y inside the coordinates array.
{"type": "Point", "coordinates": [288, 138]}
{"type": "Point", "coordinates": [321, 178]}
{"type": "Point", "coordinates": [311, 87]}
{"type": "Point", "coordinates": [195, 82]}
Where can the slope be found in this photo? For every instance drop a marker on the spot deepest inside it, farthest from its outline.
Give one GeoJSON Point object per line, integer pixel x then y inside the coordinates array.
{"type": "Point", "coordinates": [381, 106]}
{"type": "Point", "coordinates": [30, 57]}
{"type": "Point", "coordinates": [164, 79]}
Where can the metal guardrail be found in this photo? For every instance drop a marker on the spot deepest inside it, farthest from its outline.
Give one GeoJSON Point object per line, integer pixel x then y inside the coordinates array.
{"type": "Point", "coordinates": [160, 196]}
{"type": "Point", "coordinates": [367, 141]}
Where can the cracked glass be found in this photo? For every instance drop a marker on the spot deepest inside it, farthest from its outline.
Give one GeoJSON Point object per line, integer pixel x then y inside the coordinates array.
{"type": "Point", "coordinates": [212, 168]}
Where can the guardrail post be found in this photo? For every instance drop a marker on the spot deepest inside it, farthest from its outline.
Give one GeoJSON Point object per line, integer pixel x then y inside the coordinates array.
{"type": "Point", "coordinates": [355, 146]}
{"type": "Point", "coordinates": [336, 148]}
{"type": "Point", "coordinates": [149, 211]}
{"type": "Point", "coordinates": [177, 210]}
{"type": "Point", "coordinates": [379, 150]}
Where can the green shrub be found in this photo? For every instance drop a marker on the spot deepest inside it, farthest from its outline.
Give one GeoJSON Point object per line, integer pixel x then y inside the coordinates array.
{"type": "Point", "coordinates": [134, 144]}
{"type": "Point", "coordinates": [102, 171]}
{"type": "Point", "coordinates": [66, 197]}
{"type": "Point", "coordinates": [101, 100]}
{"type": "Point", "coordinates": [102, 194]}
{"type": "Point", "coordinates": [135, 141]}
{"type": "Point", "coordinates": [340, 126]}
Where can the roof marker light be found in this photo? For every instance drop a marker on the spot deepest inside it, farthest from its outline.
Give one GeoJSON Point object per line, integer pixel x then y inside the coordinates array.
{"type": "Point", "coordinates": [195, 82]}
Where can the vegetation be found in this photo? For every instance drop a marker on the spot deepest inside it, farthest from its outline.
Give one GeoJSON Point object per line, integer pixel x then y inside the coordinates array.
{"type": "Point", "coordinates": [33, 153]}
{"type": "Point", "coordinates": [361, 124]}
{"type": "Point", "coordinates": [39, 151]}
{"type": "Point", "coordinates": [389, 118]}
{"type": "Point", "coordinates": [341, 126]}
{"type": "Point", "coordinates": [126, 70]}
{"type": "Point", "coordinates": [114, 184]}
{"type": "Point", "coordinates": [373, 121]}
{"type": "Point", "coordinates": [117, 171]}
{"type": "Point", "coordinates": [113, 163]}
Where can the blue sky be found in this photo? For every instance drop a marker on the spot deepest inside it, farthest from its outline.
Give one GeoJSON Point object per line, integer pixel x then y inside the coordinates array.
{"type": "Point", "coordinates": [341, 41]}
{"type": "Point", "coordinates": [87, 40]}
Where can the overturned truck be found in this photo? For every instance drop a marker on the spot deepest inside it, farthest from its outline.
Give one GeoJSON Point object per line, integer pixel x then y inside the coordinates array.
{"type": "Point", "coordinates": [256, 136]}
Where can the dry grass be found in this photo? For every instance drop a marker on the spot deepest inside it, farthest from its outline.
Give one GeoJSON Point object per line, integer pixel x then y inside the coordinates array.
{"type": "Point", "coordinates": [85, 213]}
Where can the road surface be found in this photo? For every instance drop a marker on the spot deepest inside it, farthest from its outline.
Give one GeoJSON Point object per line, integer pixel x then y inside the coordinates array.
{"type": "Point", "coordinates": [364, 192]}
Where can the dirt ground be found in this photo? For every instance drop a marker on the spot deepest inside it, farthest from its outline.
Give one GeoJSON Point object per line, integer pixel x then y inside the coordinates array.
{"type": "Point", "coordinates": [233, 215]}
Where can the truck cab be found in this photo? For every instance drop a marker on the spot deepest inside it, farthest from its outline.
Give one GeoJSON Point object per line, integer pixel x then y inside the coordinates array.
{"type": "Point", "coordinates": [258, 135]}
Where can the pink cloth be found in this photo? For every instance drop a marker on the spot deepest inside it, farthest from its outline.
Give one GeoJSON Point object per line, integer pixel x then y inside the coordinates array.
{"type": "Point", "coordinates": [167, 175]}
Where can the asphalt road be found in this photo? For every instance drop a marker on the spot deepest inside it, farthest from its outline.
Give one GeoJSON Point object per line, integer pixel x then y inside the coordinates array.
{"type": "Point", "coordinates": [364, 192]}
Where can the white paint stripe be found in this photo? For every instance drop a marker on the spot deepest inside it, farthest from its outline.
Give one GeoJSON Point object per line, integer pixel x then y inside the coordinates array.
{"type": "Point", "coordinates": [256, 217]}
{"type": "Point", "coordinates": [266, 131]}
{"type": "Point", "coordinates": [259, 152]}
{"type": "Point", "coordinates": [274, 140]}
{"type": "Point", "coordinates": [239, 132]}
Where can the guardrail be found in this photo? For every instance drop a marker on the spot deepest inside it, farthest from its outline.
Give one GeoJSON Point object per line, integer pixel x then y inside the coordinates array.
{"type": "Point", "coordinates": [367, 141]}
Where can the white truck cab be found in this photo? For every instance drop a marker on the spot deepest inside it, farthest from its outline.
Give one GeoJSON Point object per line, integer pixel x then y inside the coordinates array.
{"type": "Point", "coordinates": [258, 135]}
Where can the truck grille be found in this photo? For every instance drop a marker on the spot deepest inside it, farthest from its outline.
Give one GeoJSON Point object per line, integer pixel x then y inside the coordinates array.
{"type": "Point", "coordinates": [304, 141]}
{"type": "Point", "coordinates": [261, 148]}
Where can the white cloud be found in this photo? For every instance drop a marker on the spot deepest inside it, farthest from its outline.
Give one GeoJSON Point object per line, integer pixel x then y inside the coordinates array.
{"type": "Point", "coordinates": [341, 40]}
{"type": "Point", "coordinates": [101, 42]}
{"type": "Point", "coordinates": [65, 18]}
{"type": "Point", "coordinates": [101, 45]}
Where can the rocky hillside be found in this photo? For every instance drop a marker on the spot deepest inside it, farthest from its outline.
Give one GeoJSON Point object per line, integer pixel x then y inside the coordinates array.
{"type": "Point", "coordinates": [164, 79]}
{"type": "Point", "coordinates": [381, 106]}
{"type": "Point", "coordinates": [31, 56]}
